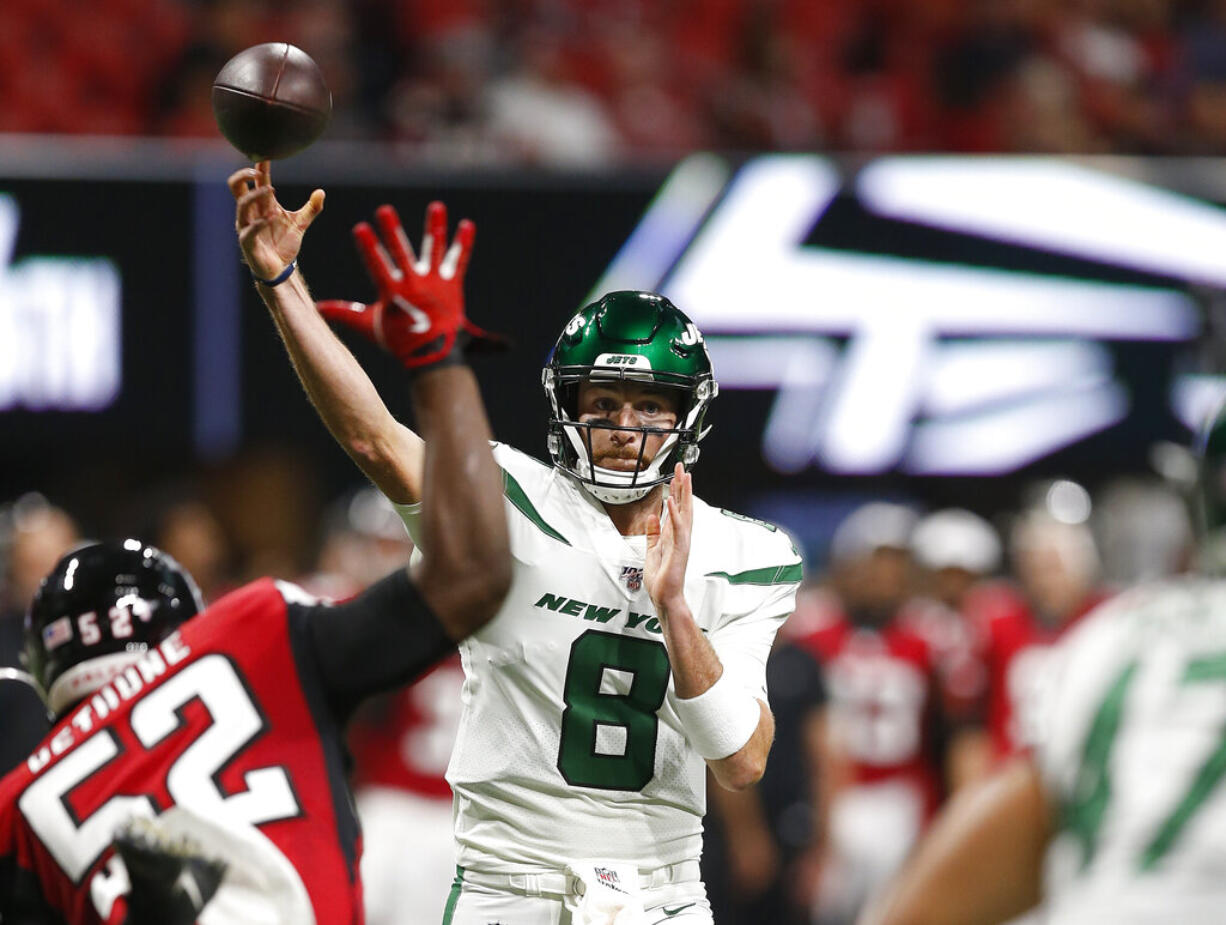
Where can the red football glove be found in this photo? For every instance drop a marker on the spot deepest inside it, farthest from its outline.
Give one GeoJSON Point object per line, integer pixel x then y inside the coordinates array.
{"type": "Point", "coordinates": [419, 316]}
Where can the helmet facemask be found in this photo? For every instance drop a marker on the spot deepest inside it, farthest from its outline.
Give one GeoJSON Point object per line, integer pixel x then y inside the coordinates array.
{"type": "Point", "coordinates": [570, 440]}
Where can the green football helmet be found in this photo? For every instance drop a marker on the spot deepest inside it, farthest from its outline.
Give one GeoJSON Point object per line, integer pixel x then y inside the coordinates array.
{"type": "Point", "coordinates": [637, 336]}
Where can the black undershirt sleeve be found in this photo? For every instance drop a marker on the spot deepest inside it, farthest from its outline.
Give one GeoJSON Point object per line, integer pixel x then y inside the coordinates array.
{"type": "Point", "coordinates": [384, 638]}
{"type": "Point", "coordinates": [21, 898]}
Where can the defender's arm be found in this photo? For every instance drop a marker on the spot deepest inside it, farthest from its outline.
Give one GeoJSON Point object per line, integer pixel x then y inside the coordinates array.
{"type": "Point", "coordinates": [982, 860]}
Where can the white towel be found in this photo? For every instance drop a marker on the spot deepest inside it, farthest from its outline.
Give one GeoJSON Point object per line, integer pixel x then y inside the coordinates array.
{"type": "Point", "coordinates": [610, 894]}
{"type": "Point", "coordinates": [261, 887]}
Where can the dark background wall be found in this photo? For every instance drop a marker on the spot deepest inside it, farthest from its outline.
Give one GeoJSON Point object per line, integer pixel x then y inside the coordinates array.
{"type": "Point", "coordinates": [208, 396]}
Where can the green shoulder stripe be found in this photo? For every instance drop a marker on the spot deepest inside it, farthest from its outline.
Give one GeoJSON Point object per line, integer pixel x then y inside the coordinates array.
{"type": "Point", "coordinates": [771, 575]}
{"type": "Point", "coordinates": [515, 494]}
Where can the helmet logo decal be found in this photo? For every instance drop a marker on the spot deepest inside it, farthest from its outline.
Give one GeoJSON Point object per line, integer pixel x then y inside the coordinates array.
{"type": "Point", "coordinates": [691, 335]}
{"type": "Point", "coordinates": [56, 633]}
{"type": "Point", "coordinates": [623, 360]}
{"type": "Point", "coordinates": [573, 326]}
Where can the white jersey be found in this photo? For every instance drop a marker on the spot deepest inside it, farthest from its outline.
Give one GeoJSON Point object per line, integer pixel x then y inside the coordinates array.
{"type": "Point", "coordinates": [1133, 752]}
{"type": "Point", "coordinates": [569, 745]}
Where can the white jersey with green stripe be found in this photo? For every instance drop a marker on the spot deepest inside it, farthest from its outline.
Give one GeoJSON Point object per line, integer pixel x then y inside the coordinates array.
{"type": "Point", "coordinates": [1133, 753]}
{"type": "Point", "coordinates": [569, 745]}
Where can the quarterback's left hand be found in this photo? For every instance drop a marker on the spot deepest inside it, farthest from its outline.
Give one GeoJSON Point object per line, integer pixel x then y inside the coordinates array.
{"type": "Point", "coordinates": [419, 316]}
{"type": "Point", "coordinates": [668, 551]}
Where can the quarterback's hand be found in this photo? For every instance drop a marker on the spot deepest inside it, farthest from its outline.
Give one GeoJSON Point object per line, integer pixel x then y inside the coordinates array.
{"type": "Point", "coordinates": [419, 315]}
{"type": "Point", "coordinates": [668, 551]}
{"type": "Point", "coordinates": [268, 234]}
{"type": "Point", "coordinates": [171, 880]}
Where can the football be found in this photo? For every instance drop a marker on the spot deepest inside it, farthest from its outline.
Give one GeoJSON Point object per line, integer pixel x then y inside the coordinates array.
{"type": "Point", "coordinates": [271, 101]}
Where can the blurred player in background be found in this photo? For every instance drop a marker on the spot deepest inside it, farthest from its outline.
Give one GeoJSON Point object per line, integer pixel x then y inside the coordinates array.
{"type": "Point", "coordinates": [227, 725]}
{"type": "Point", "coordinates": [401, 741]}
{"type": "Point", "coordinates": [761, 846]}
{"type": "Point", "coordinates": [33, 534]}
{"type": "Point", "coordinates": [401, 744]}
{"type": "Point", "coordinates": [881, 769]}
{"type": "Point", "coordinates": [634, 642]}
{"type": "Point", "coordinates": [361, 536]}
{"type": "Point", "coordinates": [1119, 814]}
{"type": "Point", "coordinates": [1143, 529]}
{"type": "Point", "coordinates": [1057, 565]}
{"type": "Point", "coordinates": [955, 551]}
{"type": "Point", "coordinates": [188, 531]}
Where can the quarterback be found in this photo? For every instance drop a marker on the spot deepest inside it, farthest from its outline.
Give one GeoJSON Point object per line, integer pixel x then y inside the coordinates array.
{"type": "Point", "coordinates": [629, 656]}
{"type": "Point", "coordinates": [1119, 815]}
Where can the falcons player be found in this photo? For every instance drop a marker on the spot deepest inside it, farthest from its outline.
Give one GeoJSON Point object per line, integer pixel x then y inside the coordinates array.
{"type": "Point", "coordinates": [401, 744]}
{"type": "Point", "coordinates": [1056, 562]}
{"type": "Point", "coordinates": [880, 765]}
{"type": "Point", "coordinates": [225, 725]}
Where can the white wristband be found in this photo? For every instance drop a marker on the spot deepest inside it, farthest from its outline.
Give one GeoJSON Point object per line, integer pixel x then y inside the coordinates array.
{"type": "Point", "coordinates": [720, 720]}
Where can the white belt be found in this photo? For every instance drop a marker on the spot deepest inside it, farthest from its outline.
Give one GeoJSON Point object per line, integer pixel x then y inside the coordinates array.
{"type": "Point", "coordinates": [558, 883]}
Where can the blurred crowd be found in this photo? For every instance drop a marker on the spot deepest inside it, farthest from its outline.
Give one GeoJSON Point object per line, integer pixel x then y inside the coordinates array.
{"type": "Point", "coordinates": [593, 82]}
{"type": "Point", "coordinates": [908, 671]}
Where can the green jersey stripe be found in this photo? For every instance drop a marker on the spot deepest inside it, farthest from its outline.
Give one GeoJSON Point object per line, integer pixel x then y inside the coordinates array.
{"type": "Point", "coordinates": [770, 575]}
{"type": "Point", "coordinates": [515, 494]}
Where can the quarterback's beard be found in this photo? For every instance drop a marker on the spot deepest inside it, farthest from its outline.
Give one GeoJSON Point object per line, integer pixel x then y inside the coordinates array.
{"type": "Point", "coordinates": [626, 460]}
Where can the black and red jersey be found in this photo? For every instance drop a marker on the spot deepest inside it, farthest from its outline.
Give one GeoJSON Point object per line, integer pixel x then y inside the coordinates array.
{"type": "Point", "coordinates": [1013, 644]}
{"type": "Point", "coordinates": [230, 717]}
{"type": "Point", "coordinates": [884, 699]}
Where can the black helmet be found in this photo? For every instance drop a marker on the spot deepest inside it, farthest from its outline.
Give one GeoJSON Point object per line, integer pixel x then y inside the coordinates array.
{"type": "Point", "coordinates": [98, 610]}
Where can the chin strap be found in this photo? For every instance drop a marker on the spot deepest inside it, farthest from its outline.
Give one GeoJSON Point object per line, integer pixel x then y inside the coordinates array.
{"type": "Point", "coordinates": [612, 495]}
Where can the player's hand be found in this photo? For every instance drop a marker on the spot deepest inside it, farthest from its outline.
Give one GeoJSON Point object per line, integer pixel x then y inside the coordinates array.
{"type": "Point", "coordinates": [419, 316]}
{"type": "Point", "coordinates": [171, 880]}
{"type": "Point", "coordinates": [268, 234]}
{"type": "Point", "coordinates": [668, 551]}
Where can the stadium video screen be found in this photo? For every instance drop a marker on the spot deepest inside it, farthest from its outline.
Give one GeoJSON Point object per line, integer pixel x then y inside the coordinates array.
{"type": "Point", "coordinates": [908, 317]}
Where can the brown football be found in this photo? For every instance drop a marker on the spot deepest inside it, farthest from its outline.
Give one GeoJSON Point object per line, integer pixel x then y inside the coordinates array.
{"type": "Point", "coordinates": [271, 101]}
